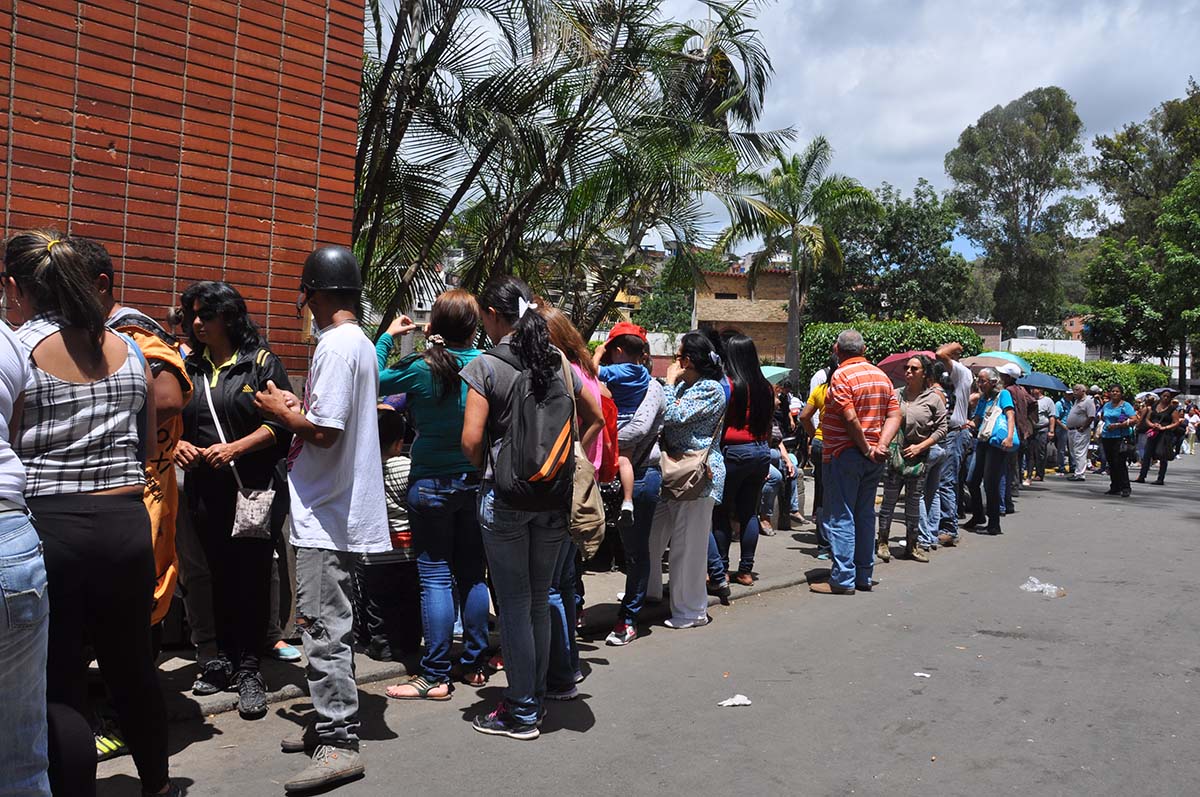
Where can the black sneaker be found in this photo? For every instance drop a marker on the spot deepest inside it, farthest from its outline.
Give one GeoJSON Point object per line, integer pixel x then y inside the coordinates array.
{"type": "Point", "coordinates": [502, 723]}
{"type": "Point", "coordinates": [252, 695]}
{"type": "Point", "coordinates": [625, 519]}
{"type": "Point", "coordinates": [214, 677]}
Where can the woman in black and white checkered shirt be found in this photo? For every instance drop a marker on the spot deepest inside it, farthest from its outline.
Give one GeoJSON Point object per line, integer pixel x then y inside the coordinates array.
{"type": "Point", "coordinates": [83, 434]}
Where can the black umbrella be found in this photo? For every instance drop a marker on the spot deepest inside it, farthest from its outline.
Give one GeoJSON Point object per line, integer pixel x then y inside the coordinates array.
{"type": "Point", "coordinates": [1044, 381]}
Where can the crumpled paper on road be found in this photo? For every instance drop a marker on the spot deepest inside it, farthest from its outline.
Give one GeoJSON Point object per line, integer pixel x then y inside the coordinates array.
{"type": "Point", "coordinates": [736, 700]}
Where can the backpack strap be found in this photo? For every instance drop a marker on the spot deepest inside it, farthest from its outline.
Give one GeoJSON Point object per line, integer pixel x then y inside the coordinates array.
{"type": "Point", "coordinates": [132, 318]}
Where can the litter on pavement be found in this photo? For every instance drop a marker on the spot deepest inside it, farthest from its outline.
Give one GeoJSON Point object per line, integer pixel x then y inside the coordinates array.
{"type": "Point", "coordinates": [736, 700]}
{"type": "Point", "coordinates": [1049, 590]}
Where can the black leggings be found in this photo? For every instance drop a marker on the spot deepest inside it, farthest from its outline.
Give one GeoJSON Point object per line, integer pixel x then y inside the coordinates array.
{"type": "Point", "coordinates": [1118, 465]}
{"type": "Point", "coordinates": [240, 569]}
{"type": "Point", "coordinates": [100, 573]}
{"type": "Point", "coordinates": [72, 753]}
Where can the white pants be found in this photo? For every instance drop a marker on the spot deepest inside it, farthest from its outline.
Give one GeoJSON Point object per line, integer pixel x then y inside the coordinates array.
{"type": "Point", "coordinates": [1079, 440]}
{"type": "Point", "coordinates": [685, 525]}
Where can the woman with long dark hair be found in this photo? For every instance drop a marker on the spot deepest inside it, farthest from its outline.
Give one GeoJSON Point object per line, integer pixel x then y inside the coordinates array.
{"type": "Point", "coordinates": [746, 452]}
{"type": "Point", "coordinates": [923, 425]}
{"type": "Point", "coordinates": [227, 445]}
{"type": "Point", "coordinates": [523, 545]}
{"type": "Point", "coordinates": [442, 493]}
{"type": "Point", "coordinates": [1162, 424]}
{"type": "Point", "coordinates": [565, 606]}
{"type": "Point", "coordinates": [695, 404]}
{"type": "Point", "coordinates": [84, 437]}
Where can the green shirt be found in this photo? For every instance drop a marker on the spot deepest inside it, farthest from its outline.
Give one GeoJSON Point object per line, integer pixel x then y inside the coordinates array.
{"type": "Point", "coordinates": [437, 451]}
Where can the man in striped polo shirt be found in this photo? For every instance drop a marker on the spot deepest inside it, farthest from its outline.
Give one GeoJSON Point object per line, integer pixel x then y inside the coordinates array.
{"type": "Point", "coordinates": [861, 416]}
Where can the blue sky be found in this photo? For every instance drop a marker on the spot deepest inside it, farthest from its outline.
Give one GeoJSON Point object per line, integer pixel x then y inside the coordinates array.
{"type": "Point", "coordinates": [892, 84]}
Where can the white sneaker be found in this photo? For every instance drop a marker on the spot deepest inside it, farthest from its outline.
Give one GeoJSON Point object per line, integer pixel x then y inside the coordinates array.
{"type": "Point", "coordinates": [679, 625]}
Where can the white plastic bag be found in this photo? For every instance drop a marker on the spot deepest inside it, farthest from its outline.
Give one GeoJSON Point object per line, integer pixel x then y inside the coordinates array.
{"type": "Point", "coordinates": [1049, 590]}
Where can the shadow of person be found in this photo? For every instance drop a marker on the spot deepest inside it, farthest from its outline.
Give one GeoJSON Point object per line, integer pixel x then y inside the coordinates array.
{"type": "Point", "coordinates": [561, 715]}
{"type": "Point", "coordinates": [130, 786]}
{"type": "Point", "coordinates": [371, 709]}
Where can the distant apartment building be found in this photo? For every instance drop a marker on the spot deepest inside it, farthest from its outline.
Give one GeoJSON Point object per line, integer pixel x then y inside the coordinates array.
{"type": "Point", "coordinates": [1073, 326]}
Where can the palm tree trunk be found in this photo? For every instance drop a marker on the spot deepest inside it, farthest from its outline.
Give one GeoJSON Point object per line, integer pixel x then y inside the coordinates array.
{"type": "Point", "coordinates": [792, 350]}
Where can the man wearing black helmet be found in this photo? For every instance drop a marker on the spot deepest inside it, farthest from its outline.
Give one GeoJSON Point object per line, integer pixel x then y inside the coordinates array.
{"type": "Point", "coordinates": [337, 505]}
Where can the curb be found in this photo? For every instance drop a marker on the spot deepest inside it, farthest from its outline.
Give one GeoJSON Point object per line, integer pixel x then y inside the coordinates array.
{"type": "Point", "coordinates": [226, 702]}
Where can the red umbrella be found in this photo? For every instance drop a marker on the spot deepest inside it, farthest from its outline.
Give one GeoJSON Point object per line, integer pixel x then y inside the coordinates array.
{"type": "Point", "coordinates": [893, 365]}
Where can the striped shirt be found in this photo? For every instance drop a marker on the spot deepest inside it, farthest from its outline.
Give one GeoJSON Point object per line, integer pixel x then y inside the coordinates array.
{"type": "Point", "coordinates": [395, 494]}
{"type": "Point", "coordinates": [80, 437]}
{"type": "Point", "coordinates": [858, 384]}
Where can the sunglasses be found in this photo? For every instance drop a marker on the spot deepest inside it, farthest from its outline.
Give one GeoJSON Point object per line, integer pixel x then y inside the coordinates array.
{"type": "Point", "coordinates": [206, 315]}
{"type": "Point", "coordinates": [913, 368]}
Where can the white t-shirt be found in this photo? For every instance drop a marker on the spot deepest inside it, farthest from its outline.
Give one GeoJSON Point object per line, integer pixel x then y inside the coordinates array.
{"type": "Point", "coordinates": [962, 379]}
{"type": "Point", "coordinates": [337, 492]}
{"type": "Point", "coordinates": [14, 373]}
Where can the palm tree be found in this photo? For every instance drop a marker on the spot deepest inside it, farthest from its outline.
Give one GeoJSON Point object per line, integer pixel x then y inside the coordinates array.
{"type": "Point", "coordinates": [804, 205]}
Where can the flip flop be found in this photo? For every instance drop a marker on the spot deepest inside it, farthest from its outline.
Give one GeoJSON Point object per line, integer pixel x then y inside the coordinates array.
{"type": "Point", "coordinates": [423, 688]}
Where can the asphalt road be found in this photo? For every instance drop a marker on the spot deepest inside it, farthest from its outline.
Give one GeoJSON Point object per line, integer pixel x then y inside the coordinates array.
{"type": "Point", "coordinates": [1092, 693]}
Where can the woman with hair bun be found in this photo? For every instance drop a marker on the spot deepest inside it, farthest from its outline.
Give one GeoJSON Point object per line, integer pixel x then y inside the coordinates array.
{"type": "Point", "coordinates": [83, 438]}
{"type": "Point", "coordinates": [442, 493]}
{"type": "Point", "coordinates": [695, 406]}
{"type": "Point", "coordinates": [523, 545]}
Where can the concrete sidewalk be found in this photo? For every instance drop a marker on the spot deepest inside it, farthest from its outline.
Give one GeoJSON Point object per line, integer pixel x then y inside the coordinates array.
{"type": "Point", "coordinates": [780, 561]}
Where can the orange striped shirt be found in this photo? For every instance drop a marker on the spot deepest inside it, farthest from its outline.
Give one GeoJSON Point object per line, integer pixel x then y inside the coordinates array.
{"type": "Point", "coordinates": [858, 384]}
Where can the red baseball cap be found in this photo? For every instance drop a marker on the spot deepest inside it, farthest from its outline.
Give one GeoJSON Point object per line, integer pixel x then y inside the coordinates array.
{"type": "Point", "coordinates": [626, 328]}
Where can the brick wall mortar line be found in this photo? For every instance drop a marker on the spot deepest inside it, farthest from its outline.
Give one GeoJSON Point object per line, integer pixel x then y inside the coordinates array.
{"type": "Point", "coordinates": [187, 58]}
{"type": "Point", "coordinates": [233, 95]}
{"type": "Point", "coordinates": [74, 124]}
{"type": "Point", "coordinates": [321, 120]}
{"type": "Point", "coordinates": [133, 64]}
{"type": "Point", "coordinates": [275, 161]}
{"type": "Point", "coordinates": [8, 119]}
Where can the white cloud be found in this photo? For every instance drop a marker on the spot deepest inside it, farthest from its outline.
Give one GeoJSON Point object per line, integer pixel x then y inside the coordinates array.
{"type": "Point", "coordinates": [892, 84]}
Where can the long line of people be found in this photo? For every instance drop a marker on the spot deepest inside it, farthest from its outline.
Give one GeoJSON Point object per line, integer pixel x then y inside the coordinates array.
{"type": "Point", "coordinates": [408, 517]}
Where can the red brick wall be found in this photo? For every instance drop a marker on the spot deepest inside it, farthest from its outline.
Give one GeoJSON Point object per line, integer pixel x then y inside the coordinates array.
{"type": "Point", "coordinates": [209, 140]}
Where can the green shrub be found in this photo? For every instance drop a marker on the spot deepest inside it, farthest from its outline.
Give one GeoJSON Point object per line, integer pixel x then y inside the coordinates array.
{"type": "Point", "coordinates": [883, 338]}
{"type": "Point", "coordinates": [1132, 377]}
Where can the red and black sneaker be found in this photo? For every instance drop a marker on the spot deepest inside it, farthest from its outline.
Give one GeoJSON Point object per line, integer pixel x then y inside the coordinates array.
{"type": "Point", "coordinates": [501, 722]}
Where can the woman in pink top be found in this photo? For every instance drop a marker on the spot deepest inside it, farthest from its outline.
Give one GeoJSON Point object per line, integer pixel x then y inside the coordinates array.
{"type": "Point", "coordinates": [565, 607]}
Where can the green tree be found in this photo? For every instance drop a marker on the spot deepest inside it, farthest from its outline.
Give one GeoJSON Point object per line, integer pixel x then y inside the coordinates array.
{"type": "Point", "coordinates": [1139, 165]}
{"type": "Point", "coordinates": [898, 261]}
{"type": "Point", "coordinates": [884, 338]}
{"type": "Point", "coordinates": [666, 310]}
{"type": "Point", "coordinates": [795, 208]}
{"type": "Point", "coordinates": [1013, 171]}
{"type": "Point", "coordinates": [1125, 296]}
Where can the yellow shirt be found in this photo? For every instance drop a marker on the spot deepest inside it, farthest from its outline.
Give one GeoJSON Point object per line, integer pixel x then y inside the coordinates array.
{"type": "Point", "coordinates": [817, 399]}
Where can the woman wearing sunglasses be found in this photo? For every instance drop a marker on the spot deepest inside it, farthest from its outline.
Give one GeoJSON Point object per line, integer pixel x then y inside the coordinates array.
{"type": "Point", "coordinates": [923, 425]}
{"type": "Point", "coordinates": [227, 444]}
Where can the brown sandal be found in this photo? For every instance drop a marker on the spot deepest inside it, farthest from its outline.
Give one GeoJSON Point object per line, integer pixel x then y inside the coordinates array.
{"type": "Point", "coordinates": [423, 688]}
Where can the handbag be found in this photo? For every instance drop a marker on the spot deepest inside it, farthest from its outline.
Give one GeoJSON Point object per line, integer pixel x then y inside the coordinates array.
{"type": "Point", "coordinates": [586, 523]}
{"type": "Point", "coordinates": [252, 510]}
{"type": "Point", "coordinates": [686, 475]}
{"type": "Point", "coordinates": [990, 420]}
{"type": "Point", "coordinates": [905, 467]}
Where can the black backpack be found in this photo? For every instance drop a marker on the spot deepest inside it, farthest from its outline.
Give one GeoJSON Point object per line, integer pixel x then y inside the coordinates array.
{"type": "Point", "coordinates": [534, 468]}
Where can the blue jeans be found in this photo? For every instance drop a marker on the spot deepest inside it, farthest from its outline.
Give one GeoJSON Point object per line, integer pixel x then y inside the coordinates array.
{"type": "Point", "coordinates": [523, 550]}
{"type": "Point", "coordinates": [636, 541]}
{"type": "Point", "coordinates": [445, 526]}
{"type": "Point", "coordinates": [931, 502]}
{"type": "Point", "coordinates": [746, 468]}
{"type": "Point", "coordinates": [947, 493]}
{"type": "Point", "coordinates": [564, 652]}
{"type": "Point", "coordinates": [24, 631]}
{"type": "Point", "coordinates": [851, 481]}
{"type": "Point", "coordinates": [777, 481]}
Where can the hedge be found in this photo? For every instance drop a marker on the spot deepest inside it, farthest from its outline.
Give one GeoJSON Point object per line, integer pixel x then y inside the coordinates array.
{"type": "Point", "coordinates": [883, 338]}
{"type": "Point", "coordinates": [1132, 377]}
